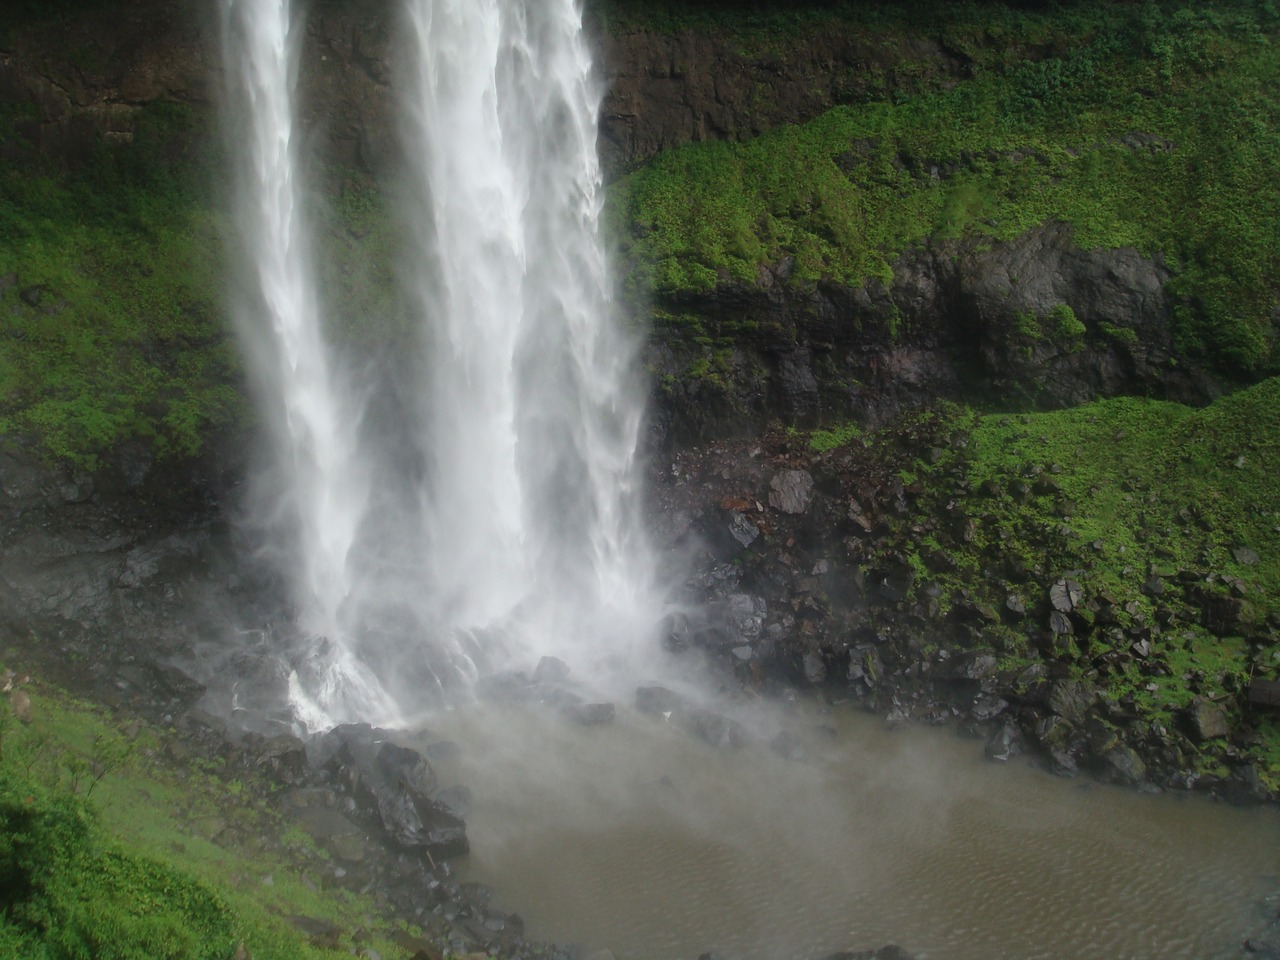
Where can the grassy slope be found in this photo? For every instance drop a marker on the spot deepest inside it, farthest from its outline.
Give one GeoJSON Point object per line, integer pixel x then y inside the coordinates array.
{"type": "Point", "coordinates": [111, 321]}
{"type": "Point", "coordinates": [114, 312]}
{"type": "Point", "coordinates": [106, 850]}
{"type": "Point", "coordinates": [1020, 143]}
{"type": "Point", "coordinates": [1143, 487]}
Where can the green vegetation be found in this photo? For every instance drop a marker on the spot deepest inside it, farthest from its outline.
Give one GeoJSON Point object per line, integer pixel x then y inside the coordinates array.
{"type": "Point", "coordinates": [113, 316]}
{"type": "Point", "coordinates": [821, 441]}
{"type": "Point", "coordinates": [111, 326]}
{"type": "Point", "coordinates": [109, 850]}
{"type": "Point", "coordinates": [1147, 125]}
{"type": "Point", "coordinates": [1161, 513]}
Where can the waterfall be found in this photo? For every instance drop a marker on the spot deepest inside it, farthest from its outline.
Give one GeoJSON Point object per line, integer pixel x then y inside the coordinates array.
{"type": "Point", "coordinates": [533, 411]}
{"type": "Point", "coordinates": [493, 516]}
{"type": "Point", "coordinates": [317, 488]}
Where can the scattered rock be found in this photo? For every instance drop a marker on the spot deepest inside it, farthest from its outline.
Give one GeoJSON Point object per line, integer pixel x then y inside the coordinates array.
{"type": "Point", "coordinates": [20, 703]}
{"type": "Point", "coordinates": [589, 714]}
{"type": "Point", "coordinates": [551, 670]}
{"type": "Point", "coordinates": [1065, 595]}
{"type": "Point", "coordinates": [1246, 556]}
{"type": "Point", "coordinates": [791, 491]}
{"type": "Point", "coordinates": [1204, 720]}
{"type": "Point", "coordinates": [658, 701]}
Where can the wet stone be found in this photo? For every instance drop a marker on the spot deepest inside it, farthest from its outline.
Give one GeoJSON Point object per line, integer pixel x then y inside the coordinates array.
{"type": "Point", "coordinates": [742, 530]}
{"type": "Point", "coordinates": [1015, 607]}
{"type": "Point", "coordinates": [590, 714]}
{"type": "Point", "coordinates": [1065, 595]}
{"type": "Point", "coordinates": [1072, 699]}
{"type": "Point", "coordinates": [1123, 765]}
{"type": "Point", "coordinates": [791, 491]}
{"type": "Point", "coordinates": [788, 746]}
{"type": "Point", "coordinates": [1204, 720]}
{"type": "Point", "coordinates": [815, 668]}
{"type": "Point", "coordinates": [1005, 744]}
{"type": "Point", "coordinates": [551, 670]}
{"type": "Point", "coordinates": [406, 767]}
{"type": "Point", "coordinates": [657, 700]}
{"type": "Point", "coordinates": [1245, 556]}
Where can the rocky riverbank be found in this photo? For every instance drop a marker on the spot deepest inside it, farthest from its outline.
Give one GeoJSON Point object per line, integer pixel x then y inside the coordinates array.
{"type": "Point", "coordinates": [951, 569]}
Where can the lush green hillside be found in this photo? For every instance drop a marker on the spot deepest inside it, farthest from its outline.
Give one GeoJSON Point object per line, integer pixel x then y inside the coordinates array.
{"type": "Point", "coordinates": [1146, 125]}
{"type": "Point", "coordinates": [117, 843]}
{"type": "Point", "coordinates": [1165, 519]}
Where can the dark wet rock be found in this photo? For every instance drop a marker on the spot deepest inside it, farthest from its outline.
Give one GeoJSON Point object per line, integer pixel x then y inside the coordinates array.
{"type": "Point", "coordinates": [415, 822]}
{"type": "Point", "coordinates": [456, 798]}
{"type": "Point", "coordinates": [815, 668]}
{"type": "Point", "coordinates": [1122, 764]}
{"type": "Point", "coordinates": [658, 700]}
{"type": "Point", "coordinates": [1224, 615]}
{"type": "Point", "coordinates": [1203, 720]}
{"type": "Point", "coordinates": [406, 767]}
{"type": "Point", "coordinates": [590, 714]}
{"type": "Point", "coordinates": [1154, 586]}
{"type": "Point", "coordinates": [987, 707]}
{"type": "Point", "coordinates": [1005, 743]}
{"type": "Point", "coordinates": [285, 758]}
{"type": "Point", "coordinates": [715, 729]}
{"type": "Point", "coordinates": [791, 491]}
{"type": "Point", "coordinates": [1245, 556]}
{"type": "Point", "coordinates": [788, 746]}
{"type": "Point", "coordinates": [1072, 699]}
{"type": "Point", "coordinates": [1015, 608]}
{"type": "Point", "coordinates": [551, 670]}
{"type": "Point", "coordinates": [1060, 624]}
{"type": "Point", "coordinates": [974, 666]}
{"type": "Point", "coordinates": [1065, 595]}
{"type": "Point", "coordinates": [742, 530]}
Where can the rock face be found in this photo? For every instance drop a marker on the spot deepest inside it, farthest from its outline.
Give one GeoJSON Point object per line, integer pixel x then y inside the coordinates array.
{"type": "Point", "coordinates": [665, 89]}
{"type": "Point", "coordinates": [1034, 321]}
{"type": "Point", "coordinates": [662, 89]}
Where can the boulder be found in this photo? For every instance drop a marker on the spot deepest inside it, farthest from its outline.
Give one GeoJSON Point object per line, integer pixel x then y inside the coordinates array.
{"type": "Point", "coordinates": [715, 729]}
{"type": "Point", "coordinates": [1121, 764]}
{"type": "Point", "coordinates": [1204, 720]}
{"type": "Point", "coordinates": [589, 714]}
{"type": "Point", "coordinates": [1072, 699]}
{"type": "Point", "coordinates": [658, 700]}
{"type": "Point", "coordinates": [551, 670]}
{"type": "Point", "coordinates": [791, 491]}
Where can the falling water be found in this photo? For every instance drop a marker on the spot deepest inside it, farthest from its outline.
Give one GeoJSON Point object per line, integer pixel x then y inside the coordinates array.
{"type": "Point", "coordinates": [317, 487]}
{"type": "Point", "coordinates": [492, 517]}
{"type": "Point", "coordinates": [532, 411]}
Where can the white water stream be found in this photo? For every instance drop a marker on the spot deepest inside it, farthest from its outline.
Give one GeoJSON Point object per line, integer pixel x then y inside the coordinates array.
{"type": "Point", "coordinates": [517, 536]}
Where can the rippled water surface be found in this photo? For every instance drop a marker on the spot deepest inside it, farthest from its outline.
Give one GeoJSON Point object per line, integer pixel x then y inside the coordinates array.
{"type": "Point", "coordinates": [638, 838]}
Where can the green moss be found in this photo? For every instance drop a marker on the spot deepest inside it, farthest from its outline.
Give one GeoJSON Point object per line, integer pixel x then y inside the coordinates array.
{"type": "Point", "coordinates": [1066, 324]}
{"type": "Point", "coordinates": [110, 312]}
{"type": "Point", "coordinates": [1108, 494]}
{"type": "Point", "coordinates": [1118, 334]}
{"type": "Point", "coordinates": [1117, 132]}
{"type": "Point", "coordinates": [103, 851]}
{"type": "Point", "coordinates": [824, 440]}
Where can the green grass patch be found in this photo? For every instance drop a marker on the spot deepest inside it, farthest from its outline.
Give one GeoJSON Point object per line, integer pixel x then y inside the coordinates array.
{"type": "Point", "coordinates": [821, 441]}
{"type": "Point", "coordinates": [1146, 126]}
{"type": "Point", "coordinates": [110, 850]}
{"type": "Point", "coordinates": [111, 319]}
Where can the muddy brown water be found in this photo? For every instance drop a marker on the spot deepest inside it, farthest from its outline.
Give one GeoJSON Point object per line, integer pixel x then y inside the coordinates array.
{"type": "Point", "coordinates": [637, 838]}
